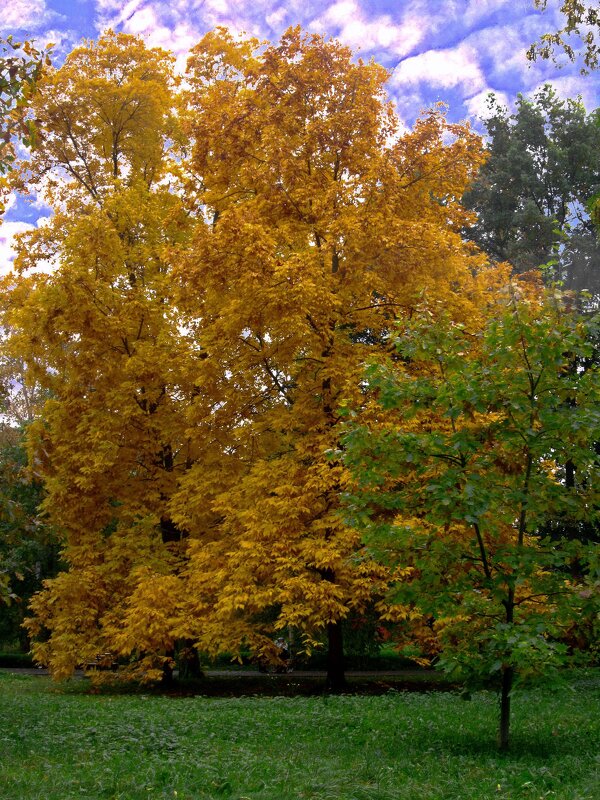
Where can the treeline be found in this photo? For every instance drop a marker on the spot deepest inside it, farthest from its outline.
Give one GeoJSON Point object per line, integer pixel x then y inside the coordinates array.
{"type": "Point", "coordinates": [224, 257]}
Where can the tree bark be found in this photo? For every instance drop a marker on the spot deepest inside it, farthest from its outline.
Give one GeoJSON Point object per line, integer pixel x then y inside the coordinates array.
{"type": "Point", "coordinates": [336, 673]}
{"type": "Point", "coordinates": [189, 662]}
{"type": "Point", "coordinates": [167, 677]}
{"type": "Point", "coordinates": [507, 682]}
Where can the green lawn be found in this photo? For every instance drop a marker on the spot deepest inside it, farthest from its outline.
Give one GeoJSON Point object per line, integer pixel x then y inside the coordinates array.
{"type": "Point", "coordinates": [61, 744]}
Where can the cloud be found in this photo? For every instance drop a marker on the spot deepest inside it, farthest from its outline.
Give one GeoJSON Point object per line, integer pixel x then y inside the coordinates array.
{"type": "Point", "coordinates": [8, 232]}
{"type": "Point", "coordinates": [114, 13]}
{"type": "Point", "coordinates": [179, 25]}
{"type": "Point", "coordinates": [477, 10]}
{"type": "Point", "coordinates": [571, 87]}
{"type": "Point", "coordinates": [449, 68]}
{"type": "Point", "coordinates": [25, 15]}
{"type": "Point", "coordinates": [347, 20]}
{"type": "Point", "coordinates": [504, 46]}
{"type": "Point", "coordinates": [502, 51]}
{"type": "Point", "coordinates": [275, 19]}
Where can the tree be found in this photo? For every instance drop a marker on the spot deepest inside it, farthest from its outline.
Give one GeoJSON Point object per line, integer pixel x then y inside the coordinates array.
{"type": "Point", "coordinates": [456, 488]}
{"type": "Point", "coordinates": [99, 332]}
{"type": "Point", "coordinates": [582, 22]}
{"type": "Point", "coordinates": [196, 353]}
{"type": "Point", "coordinates": [323, 227]}
{"type": "Point", "coordinates": [28, 546]}
{"type": "Point", "coordinates": [531, 194]}
{"type": "Point", "coordinates": [21, 66]}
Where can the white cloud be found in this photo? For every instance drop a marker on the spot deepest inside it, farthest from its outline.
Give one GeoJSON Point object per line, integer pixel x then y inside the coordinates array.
{"type": "Point", "coordinates": [25, 14]}
{"type": "Point", "coordinates": [449, 68]}
{"type": "Point", "coordinates": [142, 20]}
{"type": "Point", "coordinates": [353, 27]}
{"type": "Point", "coordinates": [503, 49]}
{"type": "Point", "coordinates": [275, 19]}
{"type": "Point", "coordinates": [8, 232]}
{"type": "Point", "coordinates": [408, 105]}
{"type": "Point", "coordinates": [63, 40]}
{"type": "Point", "coordinates": [114, 13]}
{"type": "Point", "coordinates": [162, 26]}
{"type": "Point", "coordinates": [571, 87]}
{"type": "Point", "coordinates": [338, 13]}
{"type": "Point", "coordinates": [218, 7]}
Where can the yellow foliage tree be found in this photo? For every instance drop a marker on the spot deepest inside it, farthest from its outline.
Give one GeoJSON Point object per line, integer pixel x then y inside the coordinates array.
{"type": "Point", "coordinates": [197, 351]}
{"type": "Point", "coordinates": [323, 226]}
{"type": "Point", "coordinates": [98, 329]}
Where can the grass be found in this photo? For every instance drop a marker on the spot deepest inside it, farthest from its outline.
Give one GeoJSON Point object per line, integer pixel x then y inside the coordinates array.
{"type": "Point", "coordinates": [59, 743]}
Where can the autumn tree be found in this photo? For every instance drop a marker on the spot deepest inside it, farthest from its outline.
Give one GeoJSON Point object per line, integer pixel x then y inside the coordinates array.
{"type": "Point", "coordinates": [89, 307]}
{"type": "Point", "coordinates": [323, 226]}
{"type": "Point", "coordinates": [196, 353]}
{"type": "Point", "coordinates": [456, 488]}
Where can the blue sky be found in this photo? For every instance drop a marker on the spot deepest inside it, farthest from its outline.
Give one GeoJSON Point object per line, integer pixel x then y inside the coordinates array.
{"type": "Point", "coordinates": [456, 51]}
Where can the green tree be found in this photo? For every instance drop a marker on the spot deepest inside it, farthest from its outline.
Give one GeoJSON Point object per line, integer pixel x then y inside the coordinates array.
{"type": "Point", "coordinates": [531, 195]}
{"type": "Point", "coordinates": [28, 545]}
{"type": "Point", "coordinates": [455, 488]}
{"type": "Point", "coordinates": [579, 36]}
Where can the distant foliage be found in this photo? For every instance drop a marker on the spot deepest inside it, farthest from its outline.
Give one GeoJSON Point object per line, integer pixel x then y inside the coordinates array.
{"type": "Point", "coordinates": [21, 66]}
{"type": "Point", "coordinates": [533, 194]}
{"type": "Point", "coordinates": [579, 37]}
{"type": "Point", "coordinates": [28, 545]}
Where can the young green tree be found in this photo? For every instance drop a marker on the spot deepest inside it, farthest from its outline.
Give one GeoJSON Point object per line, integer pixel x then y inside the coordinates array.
{"type": "Point", "coordinates": [457, 486]}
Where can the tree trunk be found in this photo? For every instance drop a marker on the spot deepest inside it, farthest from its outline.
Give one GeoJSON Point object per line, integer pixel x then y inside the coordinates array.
{"type": "Point", "coordinates": [167, 676]}
{"type": "Point", "coordinates": [189, 662]}
{"type": "Point", "coordinates": [336, 674]}
{"type": "Point", "coordinates": [507, 681]}
{"type": "Point", "coordinates": [570, 474]}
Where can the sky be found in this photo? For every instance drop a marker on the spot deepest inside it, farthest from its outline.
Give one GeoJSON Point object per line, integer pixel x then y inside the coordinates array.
{"type": "Point", "coordinates": [454, 51]}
